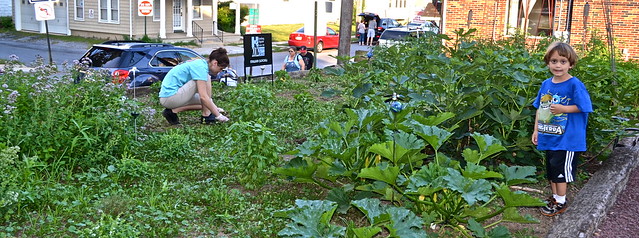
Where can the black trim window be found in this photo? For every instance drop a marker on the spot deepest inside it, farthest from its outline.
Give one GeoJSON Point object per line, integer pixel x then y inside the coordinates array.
{"type": "Point", "coordinates": [535, 17]}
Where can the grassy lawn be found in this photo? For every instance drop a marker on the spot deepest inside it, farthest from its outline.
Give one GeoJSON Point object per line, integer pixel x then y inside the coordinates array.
{"type": "Point", "coordinates": [281, 32]}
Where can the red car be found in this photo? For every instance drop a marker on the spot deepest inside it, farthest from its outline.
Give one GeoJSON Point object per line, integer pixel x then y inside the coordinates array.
{"type": "Point", "coordinates": [330, 40]}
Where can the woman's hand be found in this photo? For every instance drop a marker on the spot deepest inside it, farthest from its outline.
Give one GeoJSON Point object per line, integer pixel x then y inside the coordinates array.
{"type": "Point", "coordinates": [222, 118]}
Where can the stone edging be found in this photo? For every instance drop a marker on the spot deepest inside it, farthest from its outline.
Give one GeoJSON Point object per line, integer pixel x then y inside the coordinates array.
{"type": "Point", "coordinates": [594, 200]}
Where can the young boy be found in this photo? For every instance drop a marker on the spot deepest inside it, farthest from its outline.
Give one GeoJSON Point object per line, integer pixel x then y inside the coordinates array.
{"type": "Point", "coordinates": [563, 104]}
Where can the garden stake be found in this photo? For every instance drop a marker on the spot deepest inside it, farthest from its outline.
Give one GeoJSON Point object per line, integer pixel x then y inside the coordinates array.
{"type": "Point", "coordinates": [134, 113]}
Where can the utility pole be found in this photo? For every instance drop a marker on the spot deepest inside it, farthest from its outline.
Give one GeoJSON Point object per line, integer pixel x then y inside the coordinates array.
{"type": "Point", "coordinates": [345, 30]}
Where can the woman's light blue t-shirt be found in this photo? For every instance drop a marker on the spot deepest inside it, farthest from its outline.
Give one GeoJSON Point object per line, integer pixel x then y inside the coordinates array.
{"type": "Point", "coordinates": [182, 74]}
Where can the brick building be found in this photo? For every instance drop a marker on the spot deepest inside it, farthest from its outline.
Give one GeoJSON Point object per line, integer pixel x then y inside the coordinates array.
{"type": "Point", "coordinates": [574, 20]}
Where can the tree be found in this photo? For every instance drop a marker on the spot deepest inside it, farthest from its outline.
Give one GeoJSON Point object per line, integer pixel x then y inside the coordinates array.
{"type": "Point", "coordinates": [344, 48]}
{"type": "Point", "coordinates": [226, 16]}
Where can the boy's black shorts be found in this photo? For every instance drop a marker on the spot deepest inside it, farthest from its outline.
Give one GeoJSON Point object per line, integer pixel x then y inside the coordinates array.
{"type": "Point", "coordinates": [561, 165]}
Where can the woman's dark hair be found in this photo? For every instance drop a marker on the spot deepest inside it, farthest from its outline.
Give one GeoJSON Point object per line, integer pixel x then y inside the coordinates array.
{"type": "Point", "coordinates": [220, 56]}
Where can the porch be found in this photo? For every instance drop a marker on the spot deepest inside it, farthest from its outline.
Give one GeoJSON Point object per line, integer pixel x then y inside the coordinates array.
{"type": "Point", "coordinates": [204, 38]}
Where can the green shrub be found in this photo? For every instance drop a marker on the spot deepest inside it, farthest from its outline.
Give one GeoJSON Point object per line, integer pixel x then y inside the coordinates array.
{"type": "Point", "coordinates": [6, 23]}
{"type": "Point", "coordinates": [226, 16]}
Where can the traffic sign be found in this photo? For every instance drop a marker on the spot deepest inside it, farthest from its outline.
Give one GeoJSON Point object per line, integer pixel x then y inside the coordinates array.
{"type": "Point", "coordinates": [145, 8]}
{"type": "Point", "coordinates": [35, 1]}
{"type": "Point", "coordinates": [44, 11]}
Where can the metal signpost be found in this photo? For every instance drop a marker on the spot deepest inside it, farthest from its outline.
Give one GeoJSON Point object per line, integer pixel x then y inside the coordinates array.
{"type": "Point", "coordinates": [44, 11]}
{"type": "Point", "coordinates": [145, 8]}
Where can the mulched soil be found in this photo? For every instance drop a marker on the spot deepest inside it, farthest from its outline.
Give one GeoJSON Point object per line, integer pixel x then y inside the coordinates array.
{"type": "Point", "coordinates": [621, 220]}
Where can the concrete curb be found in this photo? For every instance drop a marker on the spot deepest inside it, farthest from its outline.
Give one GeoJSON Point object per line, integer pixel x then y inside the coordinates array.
{"type": "Point", "coordinates": [594, 200]}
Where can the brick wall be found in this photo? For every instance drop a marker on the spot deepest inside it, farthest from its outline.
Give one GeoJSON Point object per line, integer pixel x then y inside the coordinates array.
{"type": "Point", "coordinates": [489, 18]}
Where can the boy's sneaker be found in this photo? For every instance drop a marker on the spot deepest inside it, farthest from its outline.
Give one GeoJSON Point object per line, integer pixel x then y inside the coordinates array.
{"type": "Point", "coordinates": [171, 117]}
{"type": "Point", "coordinates": [554, 208]}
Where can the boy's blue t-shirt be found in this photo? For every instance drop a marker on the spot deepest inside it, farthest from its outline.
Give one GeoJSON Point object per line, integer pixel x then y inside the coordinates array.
{"type": "Point", "coordinates": [566, 131]}
{"type": "Point", "coordinates": [182, 74]}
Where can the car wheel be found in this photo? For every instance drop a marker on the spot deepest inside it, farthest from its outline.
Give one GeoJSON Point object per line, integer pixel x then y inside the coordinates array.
{"type": "Point", "coordinates": [320, 47]}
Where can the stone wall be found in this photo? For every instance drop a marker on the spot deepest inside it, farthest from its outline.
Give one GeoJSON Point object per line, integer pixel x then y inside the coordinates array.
{"type": "Point", "coordinates": [594, 200]}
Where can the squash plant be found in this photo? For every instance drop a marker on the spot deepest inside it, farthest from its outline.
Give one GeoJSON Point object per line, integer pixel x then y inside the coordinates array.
{"type": "Point", "coordinates": [395, 157]}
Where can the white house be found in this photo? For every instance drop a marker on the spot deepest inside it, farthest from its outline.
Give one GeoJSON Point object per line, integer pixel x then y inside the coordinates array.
{"type": "Point", "coordinates": [115, 19]}
{"type": "Point", "coordinates": [6, 8]}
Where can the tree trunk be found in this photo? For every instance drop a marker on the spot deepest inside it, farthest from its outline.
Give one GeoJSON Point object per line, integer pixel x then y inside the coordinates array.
{"type": "Point", "coordinates": [345, 30]}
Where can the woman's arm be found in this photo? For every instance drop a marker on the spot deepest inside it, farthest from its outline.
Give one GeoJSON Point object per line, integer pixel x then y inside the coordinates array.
{"type": "Point", "coordinates": [284, 65]}
{"type": "Point", "coordinates": [204, 89]}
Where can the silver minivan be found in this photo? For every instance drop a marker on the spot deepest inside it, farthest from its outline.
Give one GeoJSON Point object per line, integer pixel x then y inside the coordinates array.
{"type": "Point", "coordinates": [395, 35]}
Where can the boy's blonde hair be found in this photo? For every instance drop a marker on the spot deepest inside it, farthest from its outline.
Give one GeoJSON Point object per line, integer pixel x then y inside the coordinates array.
{"type": "Point", "coordinates": [562, 49]}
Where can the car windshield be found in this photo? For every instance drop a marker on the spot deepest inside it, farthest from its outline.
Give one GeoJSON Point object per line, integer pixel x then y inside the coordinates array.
{"type": "Point", "coordinates": [105, 57]}
{"type": "Point", "coordinates": [394, 35]}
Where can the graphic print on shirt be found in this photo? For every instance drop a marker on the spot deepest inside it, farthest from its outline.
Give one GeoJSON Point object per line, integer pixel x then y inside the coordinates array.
{"type": "Point", "coordinates": [547, 123]}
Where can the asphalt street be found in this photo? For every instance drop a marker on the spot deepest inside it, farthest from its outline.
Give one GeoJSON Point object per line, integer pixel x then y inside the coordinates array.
{"type": "Point", "coordinates": [27, 49]}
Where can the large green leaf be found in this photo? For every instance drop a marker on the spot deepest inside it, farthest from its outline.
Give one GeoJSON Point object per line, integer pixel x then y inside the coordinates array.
{"type": "Point", "coordinates": [365, 232]}
{"type": "Point", "coordinates": [435, 136]}
{"type": "Point", "coordinates": [378, 187]}
{"type": "Point", "coordinates": [299, 169]}
{"type": "Point", "coordinates": [339, 196]}
{"type": "Point", "coordinates": [433, 120]}
{"type": "Point", "coordinates": [404, 223]}
{"type": "Point", "coordinates": [382, 172]}
{"type": "Point", "coordinates": [488, 145]}
{"type": "Point", "coordinates": [518, 174]}
{"type": "Point", "coordinates": [373, 209]}
{"type": "Point", "coordinates": [408, 141]}
{"type": "Point", "coordinates": [471, 190]}
{"type": "Point", "coordinates": [312, 219]}
{"type": "Point", "coordinates": [471, 156]}
{"type": "Point", "coordinates": [389, 150]}
{"type": "Point", "coordinates": [512, 214]}
{"type": "Point", "coordinates": [427, 180]}
{"type": "Point", "coordinates": [517, 199]}
{"type": "Point", "coordinates": [477, 229]}
{"type": "Point", "coordinates": [366, 117]}
{"type": "Point", "coordinates": [362, 89]}
{"type": "Point", "coordinates": [499, 232]}
{"type": "Point", "coordinates": [479, 172]}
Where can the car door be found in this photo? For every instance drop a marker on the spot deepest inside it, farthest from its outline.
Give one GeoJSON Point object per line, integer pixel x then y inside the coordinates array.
{"type": "Point", "coordinates": [163, 61]}
{"type": "Point", "coordinates": [331, 40]}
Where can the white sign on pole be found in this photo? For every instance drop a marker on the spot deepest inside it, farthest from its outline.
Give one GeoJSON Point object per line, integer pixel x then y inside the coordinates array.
{"type": "Point", "coordinates": [145, 8]}
{"type": "Point", "coordinates": [44, 11]}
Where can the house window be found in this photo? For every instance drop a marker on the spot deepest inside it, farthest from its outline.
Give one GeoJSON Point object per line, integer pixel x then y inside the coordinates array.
{"type": "Point", "coordinates": [329, 7]}
{"type": "Point", "coordinates": [532, 16]}
{"type": "Point", "coordinates": [197, 9]}
{"type": "Point", "coordinates": [109, 11]}
{"type": "Point", "coordinates": [156, 10]}
{"type": "Point", "coordinates": [79, 10]}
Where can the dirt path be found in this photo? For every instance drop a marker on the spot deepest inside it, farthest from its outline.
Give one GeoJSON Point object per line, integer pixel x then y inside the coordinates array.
{"type": "Point", "coordinates": [621, 219]}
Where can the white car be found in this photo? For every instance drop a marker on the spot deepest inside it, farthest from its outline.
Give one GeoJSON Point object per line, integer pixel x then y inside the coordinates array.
{"type": "Point", "coordinates": [424, 25]}
{"type": "Point", "coordinates": [396, 35]}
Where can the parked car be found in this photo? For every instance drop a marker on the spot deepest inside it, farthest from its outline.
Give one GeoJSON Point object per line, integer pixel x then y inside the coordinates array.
{"type": "Point", "coordinates": [152, 60]}
{"type": "Point", "coordinates": [330, 40]}
{"type": "Point", "coordinates": [424, 25]}
{"type": "Point", "coordinates": [397, 35]}
{"type": "Point", "coordinates": [382, 23]}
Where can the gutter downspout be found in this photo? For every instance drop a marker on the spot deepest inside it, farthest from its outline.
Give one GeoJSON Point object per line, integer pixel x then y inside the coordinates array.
{"type": "Point", "coordinates": [215, 7]}
{"type": "Point", "coordinates": [569, 23]}
{"type": "Point", "coordinates": [17, 15]}
{"type": "Point", "coordinates": [130, 19]}
{"type": "Point", "coordinates": [68, 29]}
{"type": "Point", "coordinates": [162, 20]}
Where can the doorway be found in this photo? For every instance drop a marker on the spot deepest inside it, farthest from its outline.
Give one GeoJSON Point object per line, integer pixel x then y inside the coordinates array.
{"type": "Point", "coordinates": [177, 16]}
